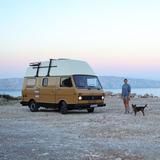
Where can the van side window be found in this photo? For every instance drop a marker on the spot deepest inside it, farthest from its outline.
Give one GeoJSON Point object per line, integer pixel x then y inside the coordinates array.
{"type": "Point", "coordinates": [31, 82]}
{"type": "Point", "coordinates": [66, 82]}
{"type": "Point", "coordinates": [45, 82]}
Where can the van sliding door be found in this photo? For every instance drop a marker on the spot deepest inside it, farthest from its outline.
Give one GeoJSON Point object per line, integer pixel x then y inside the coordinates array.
{"type": "Point", "coordinates": [47, 90]}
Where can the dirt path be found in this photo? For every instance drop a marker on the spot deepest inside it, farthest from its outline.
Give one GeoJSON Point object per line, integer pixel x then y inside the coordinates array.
{"type": "Point", "coordinates": [106, 134]}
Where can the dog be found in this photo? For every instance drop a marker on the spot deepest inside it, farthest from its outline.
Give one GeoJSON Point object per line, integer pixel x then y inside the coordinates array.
{"type": "Point", "coordinates": [138, 109]}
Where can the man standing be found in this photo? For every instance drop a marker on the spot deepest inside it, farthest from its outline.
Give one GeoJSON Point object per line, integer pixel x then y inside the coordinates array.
{"type": "Point", "coordinates": [126, 91]}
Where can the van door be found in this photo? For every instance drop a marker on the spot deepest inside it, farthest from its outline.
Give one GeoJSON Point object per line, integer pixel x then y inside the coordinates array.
{"type": "Point", "coordinates": [66, 90]}
{"type": "Point", "coordinates": [48, 90]}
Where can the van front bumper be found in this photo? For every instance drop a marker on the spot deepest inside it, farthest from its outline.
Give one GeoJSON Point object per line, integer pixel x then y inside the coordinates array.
{"type": "Point", "coordinates": [85, 106]}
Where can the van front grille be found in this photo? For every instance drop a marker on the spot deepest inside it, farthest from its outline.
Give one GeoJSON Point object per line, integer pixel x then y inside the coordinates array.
{"type": "Point", "coordinates": [91, 97]}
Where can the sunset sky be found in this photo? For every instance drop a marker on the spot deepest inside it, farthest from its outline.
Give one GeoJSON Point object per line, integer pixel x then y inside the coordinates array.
{"type": "Point", "coordinates": [116, 37]}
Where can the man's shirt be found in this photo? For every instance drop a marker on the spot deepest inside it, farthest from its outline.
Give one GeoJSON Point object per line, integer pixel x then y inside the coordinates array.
{"type": "Point", "coordinates": [126, 89]}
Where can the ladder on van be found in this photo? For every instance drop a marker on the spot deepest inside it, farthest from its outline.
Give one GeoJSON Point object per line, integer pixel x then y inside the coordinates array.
{"type": "Point", "coordinates": [36, 65]}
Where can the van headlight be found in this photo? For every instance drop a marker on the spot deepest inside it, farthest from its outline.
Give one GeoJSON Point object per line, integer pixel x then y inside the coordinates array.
{"type": "Point", "coordinates": [80, 98]}
{"type": "Point", "coordinates": [102, 97]}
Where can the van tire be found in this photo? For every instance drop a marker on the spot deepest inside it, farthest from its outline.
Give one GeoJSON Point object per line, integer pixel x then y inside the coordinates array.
{"type": "Point", "coordinates": [63, 107]}
{"type": "Point", "coordinates": [90, 110]}
{"type": "Point", "coordinates": [33, 106]}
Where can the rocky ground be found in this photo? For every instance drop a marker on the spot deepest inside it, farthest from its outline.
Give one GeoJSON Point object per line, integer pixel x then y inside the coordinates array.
{"type": "Point", "coordinates": [106, 134]}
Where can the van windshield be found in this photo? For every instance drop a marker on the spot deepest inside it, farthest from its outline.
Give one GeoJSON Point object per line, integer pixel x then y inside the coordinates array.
{"type": "Point", "coordinates": [87, 82]}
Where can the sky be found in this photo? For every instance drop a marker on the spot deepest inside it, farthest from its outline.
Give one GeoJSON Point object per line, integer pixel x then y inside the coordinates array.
{"type": "Point", "coordinates": [116, 37]}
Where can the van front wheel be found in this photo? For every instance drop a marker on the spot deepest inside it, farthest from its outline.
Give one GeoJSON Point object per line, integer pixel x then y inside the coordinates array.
{"type": "Point", "coordinates": [63, 107]}
{"type": "Point", "coordinates": [33, 106]}
{"type": "Point", "coordinates": [90, 110]}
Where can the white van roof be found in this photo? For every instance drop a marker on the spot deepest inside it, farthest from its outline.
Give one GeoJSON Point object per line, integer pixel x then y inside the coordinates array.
{"type": "Point", "coordinates": [59, 67]}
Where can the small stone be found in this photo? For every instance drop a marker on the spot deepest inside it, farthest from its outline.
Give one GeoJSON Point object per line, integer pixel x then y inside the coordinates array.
{"type": "Point", "coordinates": [44, 154]}
{"type": "Point", "coordinates": [33, 150]}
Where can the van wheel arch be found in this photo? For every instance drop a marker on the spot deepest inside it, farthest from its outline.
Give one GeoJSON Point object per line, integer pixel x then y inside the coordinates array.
{"type": "Point", "coordinates": [31, 100]}
{"type": "Point", "coordinates": [60, 102]}
{"type": "Point", "coordinates": [62, 106]}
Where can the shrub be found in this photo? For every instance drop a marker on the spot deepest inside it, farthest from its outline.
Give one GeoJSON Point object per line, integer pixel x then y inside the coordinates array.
{"type": "Point", "coordinates": [8, 97]}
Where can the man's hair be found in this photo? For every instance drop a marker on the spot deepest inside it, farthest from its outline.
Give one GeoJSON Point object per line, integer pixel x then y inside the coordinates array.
{"type": "Point", "coordinates": [125, 79]}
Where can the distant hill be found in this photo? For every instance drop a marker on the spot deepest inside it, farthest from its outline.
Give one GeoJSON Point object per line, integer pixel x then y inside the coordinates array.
{"type": "Point", "coordinates": [11, 84]}
{"type": "Point", "coordinates": [111, 82]}
{"type": "Point", "coordinates": [108, 82]}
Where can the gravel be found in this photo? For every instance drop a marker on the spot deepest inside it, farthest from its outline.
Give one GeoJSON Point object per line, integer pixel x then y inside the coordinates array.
{"type": "Point", "coordinates": [106, 134]}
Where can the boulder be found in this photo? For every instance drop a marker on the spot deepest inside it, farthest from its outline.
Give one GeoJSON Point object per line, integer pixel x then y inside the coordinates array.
{"type": "Point", "coordinates": [118, 95]}
{"type": "Point", "coordinates": [133, 95]}
{"type": "Point", "coordinates": [108, 93]}
{"type": "Point", "coordinates": [147, 96]}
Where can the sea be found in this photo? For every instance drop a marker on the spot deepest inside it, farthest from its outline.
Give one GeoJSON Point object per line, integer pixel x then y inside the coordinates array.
{"type": "Point", "coordinates": [138, 91]}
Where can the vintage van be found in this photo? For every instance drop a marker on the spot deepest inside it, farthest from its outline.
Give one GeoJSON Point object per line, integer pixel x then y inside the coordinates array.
{"type": "Point", "coordinates": [64, 84]}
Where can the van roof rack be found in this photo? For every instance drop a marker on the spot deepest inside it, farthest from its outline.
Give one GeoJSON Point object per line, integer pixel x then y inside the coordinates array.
{"type": "Point", "coordinates": [35, 64]}
{"type": "Point", "coordinates": [49, 67]}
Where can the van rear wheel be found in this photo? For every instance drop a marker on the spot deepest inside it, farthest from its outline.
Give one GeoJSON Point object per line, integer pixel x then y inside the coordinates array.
{"type": "Point", "coordinates": [33, 106]}
{"type": "Point", "coordinates": [90, 110]}
{"type": "Point", "coordinates": [63, 107]}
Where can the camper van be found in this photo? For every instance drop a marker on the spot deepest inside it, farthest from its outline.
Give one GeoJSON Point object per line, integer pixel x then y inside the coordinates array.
{"type": "Point", "coordinates": [63, 84]}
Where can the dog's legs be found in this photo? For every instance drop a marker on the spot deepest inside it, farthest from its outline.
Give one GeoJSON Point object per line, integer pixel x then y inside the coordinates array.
{"type": "Point", "coordinates": [135, 113]}
{"type": "Point", "coordinates": [143, 112]}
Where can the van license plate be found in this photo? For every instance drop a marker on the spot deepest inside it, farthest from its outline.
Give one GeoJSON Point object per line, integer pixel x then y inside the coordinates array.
{"type": "Point", "coordinates": [93, 105]}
